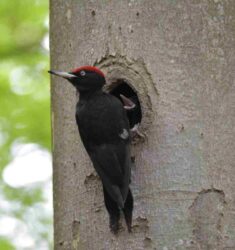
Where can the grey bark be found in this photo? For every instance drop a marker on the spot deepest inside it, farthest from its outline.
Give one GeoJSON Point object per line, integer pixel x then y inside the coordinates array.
{"type": "Point", "coordinates": [180, 58]}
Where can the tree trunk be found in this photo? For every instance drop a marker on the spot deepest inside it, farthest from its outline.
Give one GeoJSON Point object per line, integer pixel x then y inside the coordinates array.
{"type": "Point", "coordinates": [179, 57]}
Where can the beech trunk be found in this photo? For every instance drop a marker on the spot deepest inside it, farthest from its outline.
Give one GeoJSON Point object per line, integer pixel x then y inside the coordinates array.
{"type": "Point", "coordinates": [179, 57]}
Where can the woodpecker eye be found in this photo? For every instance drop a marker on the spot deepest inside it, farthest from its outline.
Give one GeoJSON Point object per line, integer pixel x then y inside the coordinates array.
{"type": "Point", "coordinates": [82, 73]}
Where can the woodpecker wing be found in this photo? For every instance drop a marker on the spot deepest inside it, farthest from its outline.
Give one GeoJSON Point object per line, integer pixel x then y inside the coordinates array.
{"type": "Point", "coordinates": [107, 164]}
{"type": "Point", "coordinates": [104, 130]}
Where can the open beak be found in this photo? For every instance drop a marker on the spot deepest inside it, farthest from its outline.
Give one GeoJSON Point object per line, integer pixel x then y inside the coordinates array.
{"type": "Point", "coordinates": [65, 75]}
{"type": "Point", "coordinates": [128, 103]}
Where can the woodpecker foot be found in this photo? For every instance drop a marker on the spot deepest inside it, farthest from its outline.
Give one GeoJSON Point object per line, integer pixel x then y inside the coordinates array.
{"type": "Point", "coordinates": [135, 131]}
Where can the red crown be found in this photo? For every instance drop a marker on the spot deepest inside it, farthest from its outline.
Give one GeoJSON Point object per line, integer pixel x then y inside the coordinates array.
{"type": "Point", "coordinates": [89, 68]}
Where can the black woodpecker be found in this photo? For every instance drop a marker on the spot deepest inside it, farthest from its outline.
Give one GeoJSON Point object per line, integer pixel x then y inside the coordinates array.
{"type": "Point", "coordinates": [104, 130]}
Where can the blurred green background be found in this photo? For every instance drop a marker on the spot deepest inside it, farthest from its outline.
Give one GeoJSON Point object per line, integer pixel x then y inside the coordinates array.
{"type": "Point", "coordinates": [25, 160]}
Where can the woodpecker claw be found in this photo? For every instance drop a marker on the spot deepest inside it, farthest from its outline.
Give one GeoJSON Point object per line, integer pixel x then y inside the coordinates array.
{"type": "Point", "coordinates": [135, 131]}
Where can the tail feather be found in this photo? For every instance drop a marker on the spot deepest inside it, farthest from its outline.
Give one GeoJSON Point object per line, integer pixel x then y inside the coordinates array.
{"type": "Point", "coordinates": [113, 210]}
{"type": "Point", "coordinates": [128, 209]}
{"type": "Point", "coordinates": [118, 196]}
{"type": "Point", "coordinates": [113, 207]}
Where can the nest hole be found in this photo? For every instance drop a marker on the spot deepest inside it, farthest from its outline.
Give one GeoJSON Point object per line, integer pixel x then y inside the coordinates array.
{"type": "Point", "coordinates": [121, 87]}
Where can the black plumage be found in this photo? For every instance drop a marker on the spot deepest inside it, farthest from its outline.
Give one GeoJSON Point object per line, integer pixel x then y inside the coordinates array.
{"type": "Point", "coordinates": [104, 129]}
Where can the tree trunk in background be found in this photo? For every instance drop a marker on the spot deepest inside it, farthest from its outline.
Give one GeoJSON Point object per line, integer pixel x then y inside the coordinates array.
{"type": "Point", "coordinates": [179, 56]}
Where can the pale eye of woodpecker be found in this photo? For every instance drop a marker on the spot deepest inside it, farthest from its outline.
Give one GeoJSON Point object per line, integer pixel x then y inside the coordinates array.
{"type": "Point", "coordinates": [82, 73]}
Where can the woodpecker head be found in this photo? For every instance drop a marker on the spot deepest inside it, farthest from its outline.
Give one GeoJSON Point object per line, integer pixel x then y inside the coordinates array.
{"type": "Point", "coordinates": [84, 79]}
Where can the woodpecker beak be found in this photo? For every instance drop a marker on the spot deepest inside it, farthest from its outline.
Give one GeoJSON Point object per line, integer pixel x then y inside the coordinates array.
{"type": "Point", "coordinates": [128, 104]}
{"type": "Point", "coordinates": [65, 75]}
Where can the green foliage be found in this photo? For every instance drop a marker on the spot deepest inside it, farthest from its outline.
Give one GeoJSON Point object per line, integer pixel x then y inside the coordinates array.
{"type": "Point", "coordinates": [5, 244]}
{"type": "Point", "coordinates": [24, 88]}
{"type": "Point", "coordinates": [24, 96]}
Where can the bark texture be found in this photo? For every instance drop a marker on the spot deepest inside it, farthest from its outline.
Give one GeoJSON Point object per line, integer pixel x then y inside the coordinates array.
{"type": "Point", "coordinates": [179, 56]}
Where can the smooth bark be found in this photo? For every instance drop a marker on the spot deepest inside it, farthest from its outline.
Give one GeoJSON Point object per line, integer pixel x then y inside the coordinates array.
{"type": "Point", "coordinates": [179, 56]}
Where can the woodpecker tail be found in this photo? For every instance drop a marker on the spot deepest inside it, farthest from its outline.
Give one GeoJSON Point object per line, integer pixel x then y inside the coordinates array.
{"type": "Point", "coordinates": [113, 210]}
{"type": "Point", "coordinates": [128, 209]}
